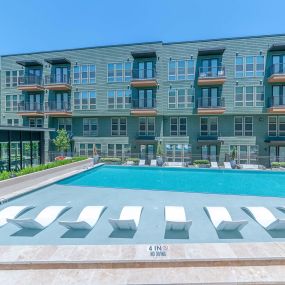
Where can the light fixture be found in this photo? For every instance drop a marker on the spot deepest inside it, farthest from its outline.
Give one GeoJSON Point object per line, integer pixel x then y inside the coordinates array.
{"type": "Point", "coordinates": [260, 52]}
{"type": "Point", "coordinates": [236, 53]}
{"type": "Point", "coordinates": [191, 56]}
{"type": "Point", "coordinates": [170, 59]}
{"type": "Point", "coordinates": [260, 82]}
{"type": "Point", "coordinates": [236, 82]}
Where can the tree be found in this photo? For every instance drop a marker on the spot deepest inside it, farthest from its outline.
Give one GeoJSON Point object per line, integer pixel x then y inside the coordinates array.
{"type": "Point", "coordinates": [159, 149]}
{"type": "Point", "coordinates": [62, 141]}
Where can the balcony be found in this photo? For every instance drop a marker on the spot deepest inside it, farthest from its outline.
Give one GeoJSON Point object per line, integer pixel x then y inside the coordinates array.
{"type": "Point", "coordinates": [211, 76]}
{"type": "Point", "coordinates": [31, 109]}
{"type": "Point", "coordinates": [30, 83]}
{"type": "Point", "coordinates": [211, 105]}
{"type": "Point", "coordinates": [145, 137]}
{"type": "Point", "coordinates": [277, 73]}
{"type": "Point", "coordinates": [144, 78]}
{"type": "Point", "coordinates": [276, 105]}
{"type": "Point", "coordinates": [58, 82]}
{"type": "Point", "coordinates": [143, 107]}
{"type": "Point", "coordinates": [57, 108]}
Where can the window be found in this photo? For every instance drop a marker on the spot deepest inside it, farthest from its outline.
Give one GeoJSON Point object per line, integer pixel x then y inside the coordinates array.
{"type": "Point", "coordinates": [209, 126]}
{"type": "Point", "coordinates": [243, 126]}
{"type": "Point", "coordinates": [181, 69]}
{"type": "Point", "coordinates": [209, 152]}
{"type": "Point", "coordinates": [246, 154]}
{"type": "Point", "coordinates": [85, 100]}
{"type": "Point", "coordinates": [249, 66]}
{"type": "Point", "coordinates": [277, 153]}
{"type": "Point", "coordinates": [65, 123]}
{"type": "Point", "coordinates": [180, 98]}
{"type": "Point", "coordinates": [11, 103]}
{"type": "Point", "coordinates": [178, 152]}
{"type": "Point", "coordinates": [84, 74]}
{"type": "Point", "coordinates": [118, 150]}
{"type": "Point", "coordinates": [178, 126]}
{"type": "Point", "coordinates": [12, 77]}
{"type": "Point", "coordinates": [16, 122]}
{"type": "Point", "coordinates": [146, 126]}
{"type": "Point", "coordinates": [119, 99]}
{"type": "Point", "coordinates": [119, 72]}
{"type": "Point", "coordinates": [9, 122]}
{"type": "Point", "coordinates": [35, 122]}
{"type": "Point", "coordinates": [278, 95]}
{"type": "Point", "coordinates": [90, 127]}
{"type": "Point", "coordinates": [210, 98]}
{"type": "Point", "coordinates": [88, 149]}
{"type": "Point", "coordinates": [119, 126]}
{"type": "Point", "coordinates": [249, 96]}
{"type": "Point", "coordinates": [276, 126]}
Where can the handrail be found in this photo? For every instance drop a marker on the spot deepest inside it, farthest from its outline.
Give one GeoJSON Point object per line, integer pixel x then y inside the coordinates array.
{"type": "Point", "coordinates": [30, 80]}
{"type": "Point", "coordinates": [30, 106]}
{"type": "Point", "coordinates": [57, 79]}
{"type": "Point", "coordinates": [277, 68]}
{"type": "Point", "coordinates": [276, 101]}
{"type": "Point", "coordinates": [210, 102]}
{"type": "Point", "coordinates": [57, 106]}
{"type": "Point", "coordinates": [144, 103]}
{"type": "Point", "coordinates": [143, 74]}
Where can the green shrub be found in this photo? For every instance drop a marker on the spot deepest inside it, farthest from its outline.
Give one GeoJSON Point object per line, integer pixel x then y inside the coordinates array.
{"type": "Point", "coordinates": [111, 160]}
{"type": "Point", "coordinates": [201, 161]}
{"type": "Point", "coordinates": [275, 164]}
{"type": "Point", "coordinates": [134, 159]}
{"type": "Point", "coordinates": [282, 164]}
{"type": "Point", "coordinates": [4, 175]}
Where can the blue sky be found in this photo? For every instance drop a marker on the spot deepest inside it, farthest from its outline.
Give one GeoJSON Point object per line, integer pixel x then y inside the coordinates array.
{"type": "Point", "coordinates": [37, 25]}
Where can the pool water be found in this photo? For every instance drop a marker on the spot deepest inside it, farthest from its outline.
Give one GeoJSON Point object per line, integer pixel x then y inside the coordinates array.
{"type": "Point", "coordinates": [237, 182]}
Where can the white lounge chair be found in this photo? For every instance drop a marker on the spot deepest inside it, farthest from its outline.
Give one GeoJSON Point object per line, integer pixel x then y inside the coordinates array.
{"type": "Point", "coordinates": [43, 219]}
{"type": "Point", "coordinates": [175, 219]}
{"type": "Point", "coordinates": [265, 218]}
{"type": "Point", "coordinates": [174, 164]}
{"type": "Point", "coordinates": [222, 220]}
{"type": "Point", "coordinates": [87, 219]}
{"type": "Point", "coordinates": [12, 212]}
{"type": "Point", "coordinates": [129, 162]}
{"type": "Point", "coordinates": [214, 164]}
{"type": "Point", "coordinates": [227, 165]}
{"type": "Point", "coordinates": [142, 162]}
{"type": "Point", "coordinates": [249, 166]}
{"type": "Point", "coordinates": [153, 162]}
{"type": "Point", "coordinates": [129, 218]}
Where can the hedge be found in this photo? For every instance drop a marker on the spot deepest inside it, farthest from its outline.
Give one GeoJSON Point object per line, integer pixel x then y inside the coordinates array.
{"type": "Point", "coordinates": [201, 161]}
{"type": "Point", "coordinates": [31, 169]}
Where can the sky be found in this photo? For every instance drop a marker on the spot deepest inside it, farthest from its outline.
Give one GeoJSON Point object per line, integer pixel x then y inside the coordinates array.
{"type": "Point", "coordinates": [42, 25]}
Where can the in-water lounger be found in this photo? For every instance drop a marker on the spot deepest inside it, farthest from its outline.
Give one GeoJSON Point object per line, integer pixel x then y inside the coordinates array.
{"type": "Point", "coordinates": [43, 219]}
{"type": "Point", "coordinates": [129, 218]}
{"type": "Point", "coordinates": [222, 219]}
{"type": "Point", "coordinates": [175, 219]}
{"type": "Point", "coordinates": [265, 218]}
{"type": "Point", "coordinates": [12, 212]}
{"type": "Point", "coordinates": [87, 219]}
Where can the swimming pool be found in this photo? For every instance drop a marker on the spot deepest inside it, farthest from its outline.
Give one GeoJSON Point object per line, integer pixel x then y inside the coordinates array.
{"type": "Point", "coordinates": [237, 182]}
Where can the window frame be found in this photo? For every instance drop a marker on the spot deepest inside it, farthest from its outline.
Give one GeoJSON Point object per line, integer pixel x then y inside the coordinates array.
{"type": "Point", "coordinates": [120, 132]}
{"type": "Point", "coordinates": [187, 76]}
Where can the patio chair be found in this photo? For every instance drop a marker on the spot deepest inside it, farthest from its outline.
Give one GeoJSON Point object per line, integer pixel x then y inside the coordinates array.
{"type": "Point", "coordinates": [47, 216]}
{"type": "Point", "coordinates": [227, 165]}
{"type": "Point", "coordinates": [265, 218]}
{"type": "Point", "coordinates": [129, 218]}
{"type": "Point", "coordinates": [153, 162]}
{"type": "Point", "coordinates": [12, 212]}
{"type": "Point", "coordinates": [175, 219]}
{"type": "Point", "coordinates": [142, 162]}
{"type": "Point", "coordinates": [87, 219]}
{"type": "Point", "coordinates": [214, 164]}
{"type": "Point", "coordinates": [222, 220]}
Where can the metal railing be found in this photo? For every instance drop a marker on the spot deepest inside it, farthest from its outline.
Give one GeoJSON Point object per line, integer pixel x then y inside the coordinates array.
{"type": "Point", "coordinates": [276, 101]}
{"type": "Point", "coordinates": [57, 106]}
{"type": "Point", "coordinates": [212, 72]}
{"type": "Point", "coordinates": [90, 133]}
{"type": "Point", "coordinates": [30, 107]}
{"type": "Point", "coordinates": [144, 103]}
{"type": "Point", "coordinates": [57, 79]}
{"type": "Point", "coordinates": [145, 135]}
{"type": "Point", "coordinates": [210, 102]}
{"type": "Point", "coordinates": [277, 68]}
{"type": "Point", "coordinates": [30, 80]}
{"type": "Point", "coordinates": [144, 74]}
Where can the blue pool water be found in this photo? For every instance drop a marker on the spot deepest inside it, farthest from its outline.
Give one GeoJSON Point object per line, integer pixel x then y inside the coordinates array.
{"type": "Point", "coordinates": [258, 183]}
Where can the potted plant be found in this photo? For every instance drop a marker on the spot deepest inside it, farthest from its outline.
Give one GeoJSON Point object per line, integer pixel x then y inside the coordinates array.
{"type": "Point", "coordinates": [159, 154]}
{"type": "Point", "coordinates": [62, 141]}
{"type": "Point", "coordinates": [95, 155]}
{"type": "Point", "coordinates": [233, 156]}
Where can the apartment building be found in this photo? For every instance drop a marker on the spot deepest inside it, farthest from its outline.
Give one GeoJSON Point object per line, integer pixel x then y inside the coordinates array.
{"type": "Point", "coordinates": [199, 99]}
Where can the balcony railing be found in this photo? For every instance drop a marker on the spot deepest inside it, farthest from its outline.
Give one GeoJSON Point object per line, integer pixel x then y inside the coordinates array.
{"type": "Point", "coordinates": [30, 107]}
{"type": "Point", "coordinates": [277, 68]}
{"type": "Point", "coordinates": [143, 103]}
{"type": "Point", "coordinates": [212, 72]}
{"type": "Point", "coordinates": [210, 102]}
{"type": "Point", "coordinates": [145, 135]}
{"type": "Point", "coordinates": [30, 80]}
{"type": "Point", "coordinates": [276, 101]}
{"type": "Point", "coordinates": [57, 106]}
{"type": "Point", "coordinates": [57, 79]}
{"type": "Point", "coordinates": [144, 74]}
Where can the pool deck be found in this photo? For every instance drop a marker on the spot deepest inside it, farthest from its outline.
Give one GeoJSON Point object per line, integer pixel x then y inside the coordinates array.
{"type": "Point", "coordinates": [192, 260]}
